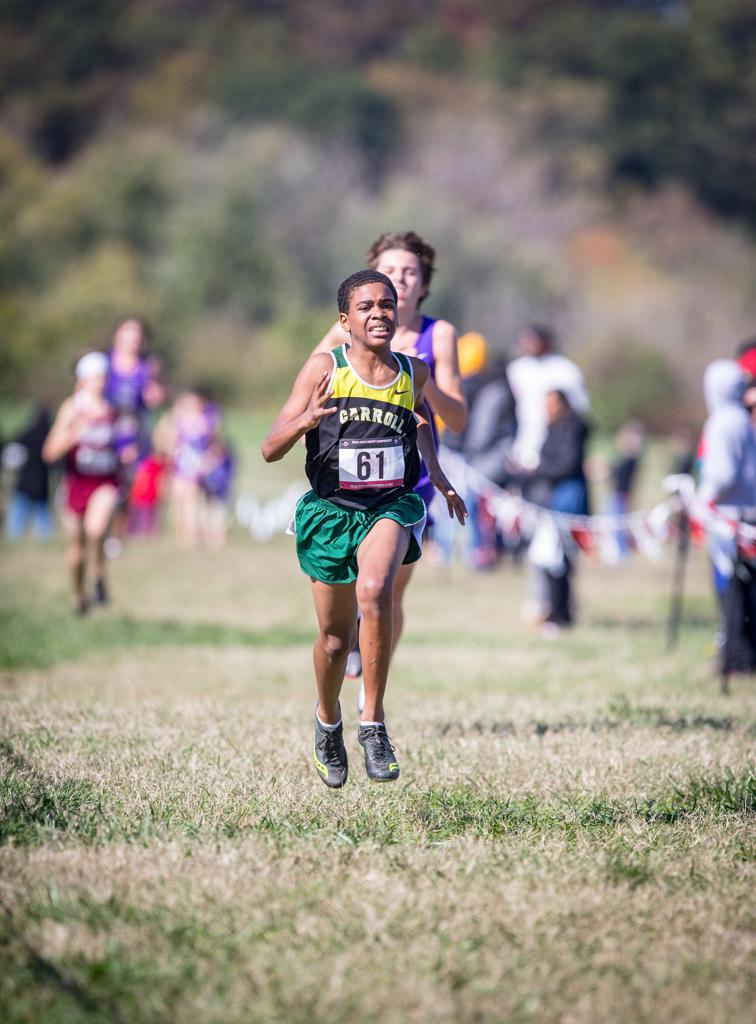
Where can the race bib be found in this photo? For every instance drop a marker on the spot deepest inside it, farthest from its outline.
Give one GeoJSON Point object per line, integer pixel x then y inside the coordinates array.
{"type": "Point", "coordinates": [96, 461]}
{"type": "Point", "coordinates": [372, 464]}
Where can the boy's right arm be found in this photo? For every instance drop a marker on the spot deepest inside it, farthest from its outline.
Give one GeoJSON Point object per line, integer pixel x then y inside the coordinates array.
{"type": "Point", "coordinates": [305, 407]}
{"type": "Point", "coordinates": [63, 433]}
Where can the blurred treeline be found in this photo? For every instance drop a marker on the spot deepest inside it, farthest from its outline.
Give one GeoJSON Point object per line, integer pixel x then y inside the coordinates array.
{"type": "Point", "coordinates": [217, 167]}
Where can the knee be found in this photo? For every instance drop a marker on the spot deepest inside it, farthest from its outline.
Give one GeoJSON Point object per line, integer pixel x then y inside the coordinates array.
{"type": "Point", "coordinates": [75, 552]}
{"type": "Point", "coordinates": [374, 595]}
{"type": "Point", "coordinates": [334, 645]}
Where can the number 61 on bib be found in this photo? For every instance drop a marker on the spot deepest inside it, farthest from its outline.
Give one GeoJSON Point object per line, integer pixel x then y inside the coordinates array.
{"type": "Point", "coordinates": [371, 464]}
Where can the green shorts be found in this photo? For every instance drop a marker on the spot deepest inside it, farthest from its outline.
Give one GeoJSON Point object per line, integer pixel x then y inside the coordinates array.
{"type": "Point", "coordinates": [328, 535]}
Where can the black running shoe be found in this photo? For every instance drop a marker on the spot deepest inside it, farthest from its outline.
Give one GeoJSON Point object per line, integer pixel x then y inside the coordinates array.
{"type": "Point", "coordinates": [101, 595]}
{"type": "Point", "coordinates": [330, 755]}
{"type": "Point", "coordinates": [380, 764]}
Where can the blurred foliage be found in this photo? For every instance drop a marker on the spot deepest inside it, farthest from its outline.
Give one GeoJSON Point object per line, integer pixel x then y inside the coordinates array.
{"type": "Point", "coordinates": [681, 82]}
{"type": "Point", "coordinates": [680, 74]}
{"type": "Point", "coordinates": [633, 382]}
{"type": "Point", "coordinates": [323, 99]}
{"type": "Point", "coordinates": [217, 167]}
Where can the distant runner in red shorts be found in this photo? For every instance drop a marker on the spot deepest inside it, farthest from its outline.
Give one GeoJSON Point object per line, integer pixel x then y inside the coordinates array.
{"type": "Point", "coordinates": [84, 435]}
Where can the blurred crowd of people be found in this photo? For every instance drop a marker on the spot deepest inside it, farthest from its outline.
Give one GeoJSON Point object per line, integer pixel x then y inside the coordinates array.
{"type": "Point", "coordinates": [528, 428]}
{"type": "Point", "coordinates": [124, 450]}
{"type": "Point", "coordinates": [527, 432]}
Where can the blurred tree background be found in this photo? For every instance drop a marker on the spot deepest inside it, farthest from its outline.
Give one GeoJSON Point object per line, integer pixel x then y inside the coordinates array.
{"type": "Point", "coordinates": [217, 167]}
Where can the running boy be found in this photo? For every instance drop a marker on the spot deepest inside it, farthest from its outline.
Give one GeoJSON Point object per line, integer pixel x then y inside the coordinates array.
{"type": "Point", "coordinates": [408, 261]}
{"type": "Point", "coordinates": [365, 425]}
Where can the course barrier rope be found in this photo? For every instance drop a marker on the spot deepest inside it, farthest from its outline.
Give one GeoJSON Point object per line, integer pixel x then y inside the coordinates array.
{"type": "Point", "coordinates": [266, 519]}
{"type": "Point", "coordinates": [551, 534]}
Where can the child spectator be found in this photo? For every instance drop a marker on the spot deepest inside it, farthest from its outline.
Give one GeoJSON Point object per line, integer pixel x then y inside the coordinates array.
{"type": "Point", "coordinates": [215, 485]}
{"type": "Point", "coordinates": [146, 495]}
{"type": "Point", "coordinates": [623, 472]}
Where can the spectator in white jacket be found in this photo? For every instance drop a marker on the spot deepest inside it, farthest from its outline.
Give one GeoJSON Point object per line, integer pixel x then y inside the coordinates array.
{"type": "Point", "coordinates": [537, 371]}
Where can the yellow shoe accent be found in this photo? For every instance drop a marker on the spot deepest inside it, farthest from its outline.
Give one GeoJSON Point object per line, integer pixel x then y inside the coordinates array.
{"type": "Point", "coordinates": [393, 767]}
{"type": "Point", "coordinates": [319, 765]}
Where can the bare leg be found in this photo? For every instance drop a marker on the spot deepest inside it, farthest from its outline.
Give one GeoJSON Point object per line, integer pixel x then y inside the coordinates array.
{"type": "Point", "coordinates": [214, 515]}
{"type": "Point", "coordinates": [97, 519]}
{"type": "Point", "coordinates": [120, 525]}
{"type": "Point", "coordinates": [186, 510]}
{"type": "Point", "coordinates": [74, 528]}
{"type": "Point", "coordinates": [336, 609]}
{"type": "Point", "coordinates": [378, 558]}
{"type": "Point", "coordinates": [401, 582]}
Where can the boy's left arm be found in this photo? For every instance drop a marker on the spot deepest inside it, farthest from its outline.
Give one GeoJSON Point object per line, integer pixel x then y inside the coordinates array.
{"type": "Point", "coordinates": [426, 445]}
{"type": "Point", "coordinates": [444, 389]}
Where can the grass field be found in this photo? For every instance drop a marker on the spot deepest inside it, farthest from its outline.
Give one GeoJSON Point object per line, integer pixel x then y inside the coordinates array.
{"type": "Point", "coordinates": [572, 838]}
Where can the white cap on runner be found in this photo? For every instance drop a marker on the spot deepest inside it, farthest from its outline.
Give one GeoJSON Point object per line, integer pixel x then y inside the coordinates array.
{"type": "Point", "coordinates": [93, 364]}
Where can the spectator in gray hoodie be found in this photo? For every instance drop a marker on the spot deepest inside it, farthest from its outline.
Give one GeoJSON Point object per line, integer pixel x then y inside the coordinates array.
{"type": "Point", "coordinates": [728, 480]}
{"type": "Point", "coordinates": [728, 469]}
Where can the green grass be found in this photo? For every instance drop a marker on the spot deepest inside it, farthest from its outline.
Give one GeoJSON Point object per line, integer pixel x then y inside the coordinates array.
{"type": "Point", "coordinates": [31, 639]}
{"type": "Point", "coordinates": [36, 810]}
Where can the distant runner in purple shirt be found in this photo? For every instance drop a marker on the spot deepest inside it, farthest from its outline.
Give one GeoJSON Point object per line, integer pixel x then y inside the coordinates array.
{"type": "Point", "coordinates": [132, 389]}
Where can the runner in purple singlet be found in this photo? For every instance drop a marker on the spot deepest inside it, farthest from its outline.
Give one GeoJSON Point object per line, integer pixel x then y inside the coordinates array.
{"type": "Point", "coordinates": [132, 390]}
{"type": "Point", "coordinates": [408, 261]}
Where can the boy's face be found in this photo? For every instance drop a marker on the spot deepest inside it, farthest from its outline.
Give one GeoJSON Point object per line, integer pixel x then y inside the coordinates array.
{"type": "Point", "coordinates": [129, 337]}
{"type": "Point", "coordinates": [371, 318]}
{"type": "Point", "coordinates": [405, 273]}
{"type": "Point", "coordinates": [531, 344]}
{"type": "Point", "coordinates": [93, 386]}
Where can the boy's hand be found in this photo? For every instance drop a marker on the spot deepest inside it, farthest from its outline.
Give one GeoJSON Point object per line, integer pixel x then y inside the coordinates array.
{"type": "Point", "coordinates": [77, 428]}
{"type": "Point", "coordinates": [316, 409]}
{"type": "Point", "coordinates": [454, 503]}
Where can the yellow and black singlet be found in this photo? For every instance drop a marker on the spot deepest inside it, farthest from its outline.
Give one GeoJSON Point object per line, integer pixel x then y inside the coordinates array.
{"type": "Point", "coordinates": [366, 453]}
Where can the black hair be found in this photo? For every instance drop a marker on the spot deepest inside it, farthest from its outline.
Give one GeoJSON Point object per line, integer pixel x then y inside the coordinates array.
{"type": "Point", "coordinates": [745, 346]}
{"type": "Point", "coordinates": [204, 389]}
{"type": "Point", "coordinates": [357, 280]}
{"type": "Point", "coordinates": [544, 333]}
{"type": "Point", "coordinates": [563, 398]}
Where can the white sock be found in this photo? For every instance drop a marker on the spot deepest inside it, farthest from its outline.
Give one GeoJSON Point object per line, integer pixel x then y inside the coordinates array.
{"type": "Point", "coordinates": [325, 725]}
{"type": "Point", "coordinates": [371, 723]}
